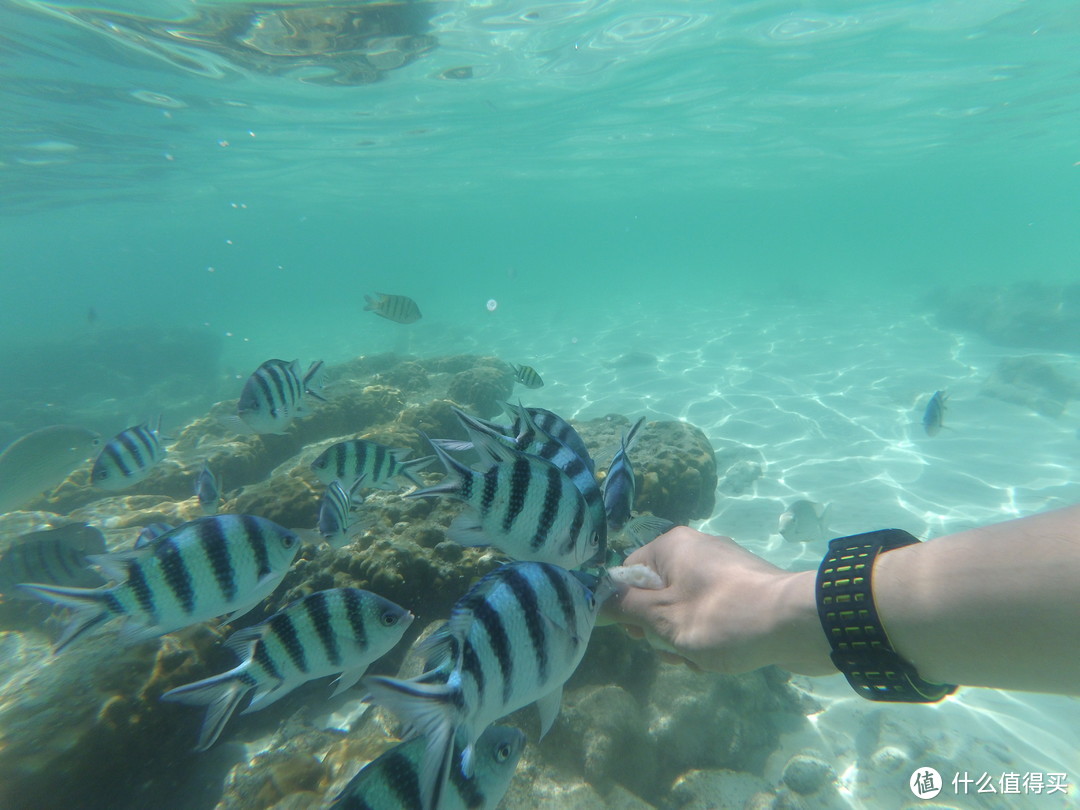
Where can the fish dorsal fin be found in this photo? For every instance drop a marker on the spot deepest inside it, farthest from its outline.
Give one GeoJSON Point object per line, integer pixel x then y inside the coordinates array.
{"type": "Point", "coordinates": [242, 642]}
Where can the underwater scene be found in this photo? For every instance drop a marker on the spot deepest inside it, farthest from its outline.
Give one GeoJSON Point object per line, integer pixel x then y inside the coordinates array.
{"type": "Point", "coordinates": [350, 348]}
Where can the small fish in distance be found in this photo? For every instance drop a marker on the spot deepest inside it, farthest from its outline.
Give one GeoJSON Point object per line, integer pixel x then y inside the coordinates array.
{"type": "Point", "coordinates": [396, 308]}
{"type": "Point", "coordinates": [340, 631]}
{"type": "Point", "coordinates": [392, 782]}
{"type": "Point", "coordinates": [128, 457]}
{"type": "Point", "coordinates": [41, 460]}
{"type": "Point", "coordinates": [204, 568]}
{"type": "Point", "coordinates": [804, 522]}
{"type": "Point", "coordinates": [57, 556]}
{"type": "Point", "coordinates": [934, 415]}
{"type": "Point", "coordinates": [527, 376]}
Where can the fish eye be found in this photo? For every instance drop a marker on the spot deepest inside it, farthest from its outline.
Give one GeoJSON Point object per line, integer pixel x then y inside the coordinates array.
{"type": "Point", "coordinates": [288, 540]}
{"type": "Point", "coordinates": [101, 473]}
{"type": "Point", "coordinates": [389, 619]}
{"type": "Point", "coordinates": [595, 539]}
{"type": "Point", "coordinates": [502, 753]}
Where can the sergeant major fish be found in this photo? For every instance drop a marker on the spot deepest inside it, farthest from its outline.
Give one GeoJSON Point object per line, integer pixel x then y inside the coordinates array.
{"type": "Point", "coordinates": [275, 394]}
{"type": "Point", "coordinates": [58, 556]}
{"type": "Point", "coordinates": [934, 415]}
{"type": "Point", "coordinates": [199, 570]}
{"type": "Point", "coordinates": [128, 457]}
{"type": "Point", "coordinates": [527, 376]}
{"type": "Point", "coordinates": [620, 486]}
{"type": "Point", "coordinates": [533, 440]}
{"type": "Point", "coordinates": [349, 460]}
{"type": "Point", "coordinates": [397, 308]}
{"type": "Point", "coordinates": [392, 782]}
{"type": "Point", "coordinates": [335, 512]}
{"type": "Point", "coordinates": [526, 507]}
{"type": "Point", "coordinates": [334, 632]}
{"type": "Point", "coordinates": [513, 639]}
{"type": "Point", "coordinates": [548, 421]}
{"type": "Point", "coordinates": [206, 490]}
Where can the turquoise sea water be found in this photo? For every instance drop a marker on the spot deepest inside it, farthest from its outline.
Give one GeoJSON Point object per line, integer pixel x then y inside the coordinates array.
{"type": "Point", "coordinates": [766, 196]}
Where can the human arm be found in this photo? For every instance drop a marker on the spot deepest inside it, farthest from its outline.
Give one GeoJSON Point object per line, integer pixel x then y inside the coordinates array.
{"type": "Point", "coordinates": [994, 606]}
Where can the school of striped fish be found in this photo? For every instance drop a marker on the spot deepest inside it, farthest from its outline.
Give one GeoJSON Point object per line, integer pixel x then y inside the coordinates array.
{"type": "Point", "coordinates": [513, 639]}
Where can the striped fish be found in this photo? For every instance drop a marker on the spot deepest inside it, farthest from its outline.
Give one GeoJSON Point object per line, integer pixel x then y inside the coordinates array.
{"type": "Point", "coordinates": [553, 425]}
{"type": "Point", "coordinates": [57, 556]}
{"type": "Point", "coordinates": [206, 490]}
{"type": "Point", "coordinates": [336, 632]}
{"type": "Point", "coordinates": [397, 308]}
{"type": "Point", "coordinates": [513, 639]}
{"type": "Point", "coordinates": [152, 532]}
{"type": "Point", "coordinates": [201, 569]}
{"type": "Point", "coordinates": [550, 423]}
{"type": "Point", "coordinates": [350, 460]}
{"type": "Point", "coordinates": [335, 512]}
{"type": "Point", "coordinates": [128, 457]}
{"type": "Point", "coordinates": [275, 394]}
{"type": "Point", "coordinates": [392, 782]}
{"type": "Point", "coordinates": [527, 376]}
{"type": "Point", "coordinates": [526, 507]}
{"type": "Point", "coordinates": [934, 415]}
{"type": "Point", "coordinates": [619, 484]}
{"type": "Point", "coordinates": [534, 441]}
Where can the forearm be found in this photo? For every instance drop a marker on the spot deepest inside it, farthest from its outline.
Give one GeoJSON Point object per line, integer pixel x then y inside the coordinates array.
{"type": "Point", "coordinates": [996, 606]}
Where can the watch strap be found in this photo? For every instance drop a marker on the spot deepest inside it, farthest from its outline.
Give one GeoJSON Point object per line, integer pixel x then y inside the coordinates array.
{"type": "Point", "coordinates": [860, 648]}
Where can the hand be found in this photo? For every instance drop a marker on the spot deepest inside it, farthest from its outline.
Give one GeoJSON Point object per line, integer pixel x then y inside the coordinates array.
{"type": "Point", "coordinates": [723, 608]}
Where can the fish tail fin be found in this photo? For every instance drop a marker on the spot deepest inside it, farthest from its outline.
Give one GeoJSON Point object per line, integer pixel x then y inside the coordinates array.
{"type": "Point", "coordinates": [88, 605]}
{"type": "Point", "coordinates": [428, 709]}
{"type": "Point", "coordinates": [220, 694]}
{"type": "Point", "coordinates": [313, 380]}
{"type": "Point", "coordinates": [372, 303]}
{"type": "Point", "coordinates": [630, 435]}
{"type": "Point", "coordinates": [411, 464]}
{"type": "Point", "coordinates": [455, 473]}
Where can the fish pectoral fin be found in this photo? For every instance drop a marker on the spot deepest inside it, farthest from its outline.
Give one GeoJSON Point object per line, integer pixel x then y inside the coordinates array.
{"type": "Point", "coordinates": [346, 680]}
{"type": "Point", "coordinates": [548, 706]}
{"type": "Point", "coordinates": [466, 530]}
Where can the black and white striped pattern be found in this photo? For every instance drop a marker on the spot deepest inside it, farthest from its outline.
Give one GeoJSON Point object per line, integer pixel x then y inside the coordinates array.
{"type": "Point", "coordinates": [274, 395]}
{"type": "Point", "coordinates": [201, 569]}
{"type": "Point", "coordinates": [513, 639]}
{"type": "Point", "coordinates": [392, 782]}
{"type": "Point", "coordinates": [397, 308]}
{"type": "Point", "coordinates": [525, 506]}
{"type": "Point", "coordinates": [620, 486]}
{"type": "Point", "coordinates": [127, 458]}
{"type": "Point", "coordinates": [527, 376]}
{"type": "Point", "coordinates": [58, 556]}
{"type": "Point", "coordinates": [379, 465]}
{"type": "Point", "coordinates": [335, 512]}
{"type": "Point", "coordinates": [533, 440]}
{"type": "Point", "coordinates": [206, 490]}
{"type": "Point", "coordinates": [334, 632]}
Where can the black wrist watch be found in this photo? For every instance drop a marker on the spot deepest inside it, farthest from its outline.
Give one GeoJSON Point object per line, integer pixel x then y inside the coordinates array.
{"type": "Point", "coordinates": [860, 648]}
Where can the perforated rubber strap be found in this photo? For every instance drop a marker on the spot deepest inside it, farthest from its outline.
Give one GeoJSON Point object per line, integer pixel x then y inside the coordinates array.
{"type": "Point", "coordinates": [845, 602]}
